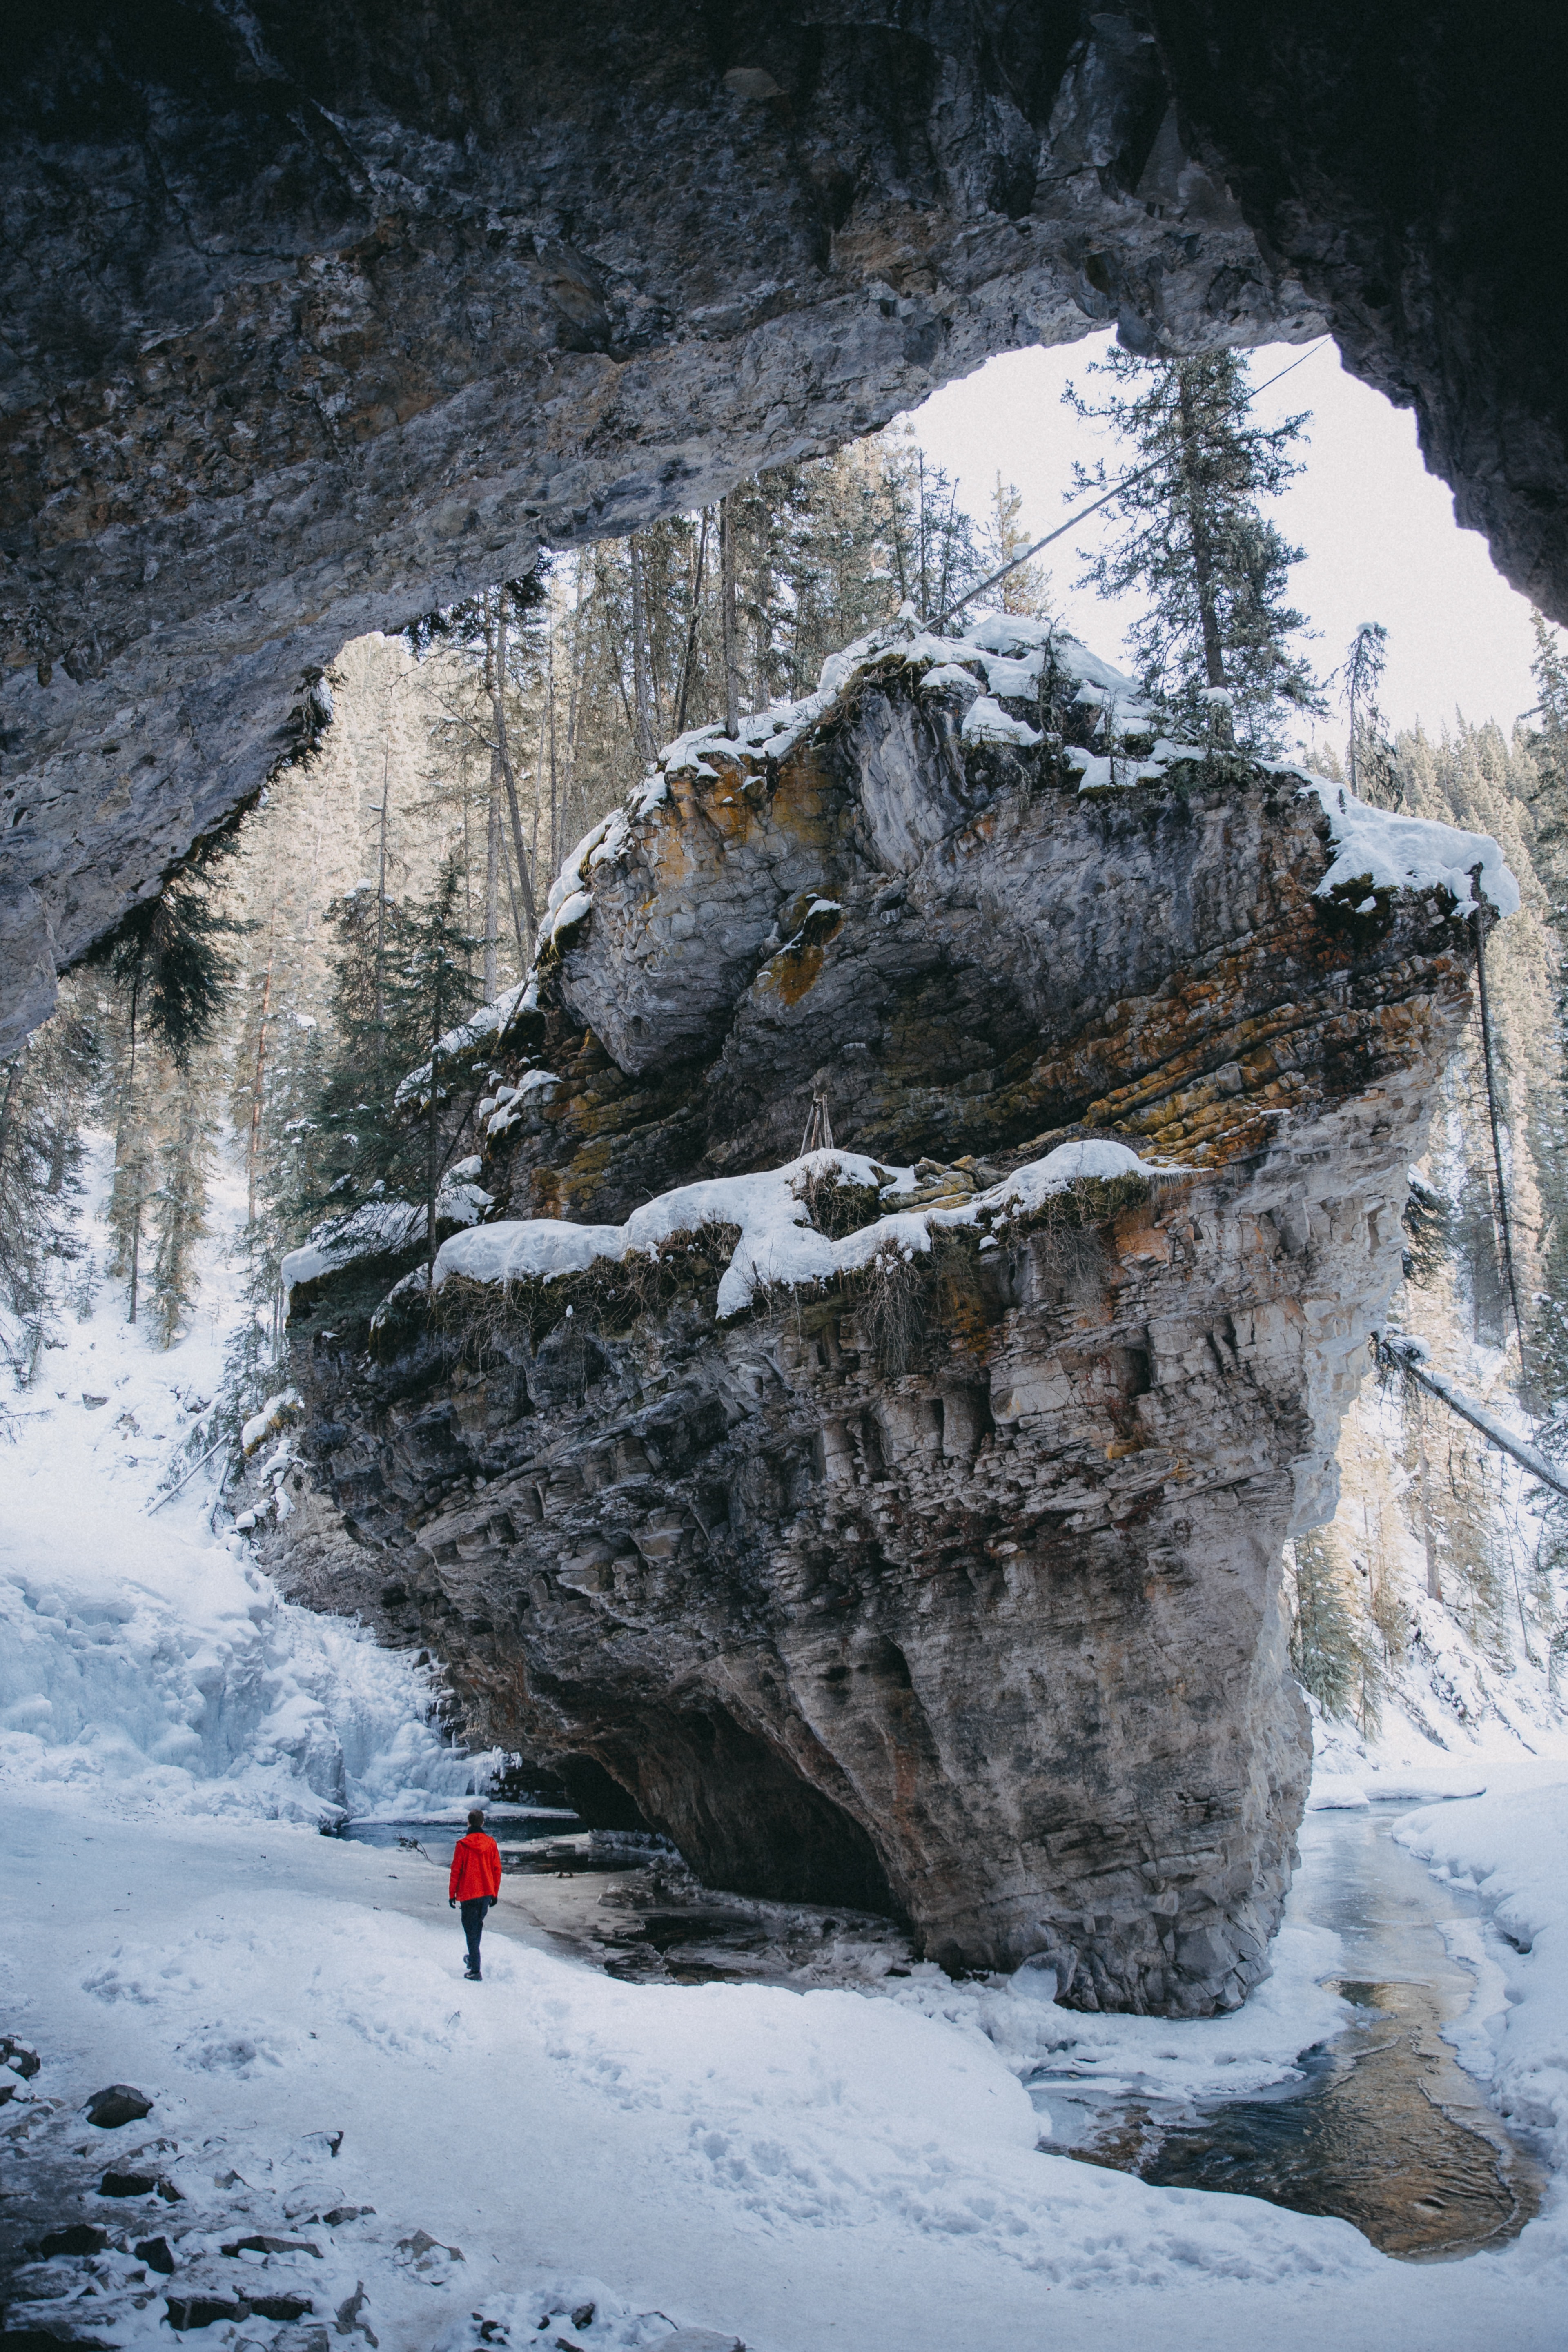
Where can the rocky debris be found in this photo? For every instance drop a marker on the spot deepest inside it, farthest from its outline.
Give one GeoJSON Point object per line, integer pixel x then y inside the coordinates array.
{"type": "Point", "coordinates": [348, 365]}
{"type": "Point", "coordinates": [189, 2312]}
{"type": "Point", "coordinates": [283, 2308]}
{"type": "Point", "coordinates": [426, 2257]}
{"type": "Point", "coordinates": [50, 2339]}
{"type": "Point", "coordinates": [121, 2104]}
{"type": "Point", "coordinates": [127, 2184]}
{"type": "Point", "coordinates": [236, 2261]}
{"type": "Point", "coordinates": [901, 1527]}
{"type": "Point", "coordinates": [350, 2319]}
{"type": "Point", "coordinates": [261, 2244]}
{"type": "Point", "coordinates": [18, 2059]}
{"type": "Point", "coordinates": [560, 2327]}
{"type": "Point", "coordinates": [79, 2238]}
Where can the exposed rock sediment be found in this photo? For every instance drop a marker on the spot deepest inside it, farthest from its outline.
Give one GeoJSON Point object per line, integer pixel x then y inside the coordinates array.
{"type": "Point", "coordinates": [947, 1579]}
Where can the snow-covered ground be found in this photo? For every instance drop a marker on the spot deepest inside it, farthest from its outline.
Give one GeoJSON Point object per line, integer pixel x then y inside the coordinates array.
{"type": "Point", "coordinates": [834, 2169]}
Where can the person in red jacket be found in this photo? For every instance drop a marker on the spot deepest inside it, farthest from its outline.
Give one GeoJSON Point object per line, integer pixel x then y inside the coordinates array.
{"type": "Point", "coordinates": [474, 1884]}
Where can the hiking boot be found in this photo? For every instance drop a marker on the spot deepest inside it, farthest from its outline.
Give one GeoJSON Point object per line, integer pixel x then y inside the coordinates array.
{"type": "Point", "coordinates": [473, 1975]}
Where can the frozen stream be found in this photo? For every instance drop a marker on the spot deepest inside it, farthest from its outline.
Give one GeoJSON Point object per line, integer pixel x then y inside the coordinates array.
{"type": "Point", "coordinates": [1385, 2129]}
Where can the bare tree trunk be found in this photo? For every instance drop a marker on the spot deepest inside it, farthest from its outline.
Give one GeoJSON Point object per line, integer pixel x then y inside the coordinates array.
{"type": "Point", "coordinates": [574, 707]}
{"type": "Point", "coordinates": [947, 549]}
{"type": "Point", "coordinates": [496, 789]}
{"type": "Point", "coordinates": [555, 797]}
{"type": "Point", "coordinates": [380, 893]}
{"type": "Point", "coordinates": [924, 562]}
{"type": "Point", "coordinates": [897, 535]}
{"type": "Point", "coordinates": [254, 1146]}
{"type": "Point", "coordinates": [130, 1116]}
{"type": "Point", "coordinates": [691, 655]}
{"type": "Point", "coordinates": [1434, 1581]}
{"type": "Point", "coordinates": [727, 617]}
{"type": "Point", "coordinates": [492, 889]}
{"type": "Point", "coordinates": [1197, 522]}
{"type": "Point", "coordinates": [432, 1140]}
{"type": "Point", "coordinates": [643, 727]}
{"type": "Point", "coordinates": [498, 704]}
{"type": "Point", "coordinates": [511, 895]}
{"type": "Point", "coordinates": [1504, 1229]}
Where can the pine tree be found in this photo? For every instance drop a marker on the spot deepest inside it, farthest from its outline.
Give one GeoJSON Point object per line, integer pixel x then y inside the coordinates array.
{"type": "Point", "coordinates": [1546, 745]}
{"type": "Point", "coordinates": [394, 1005]}
{"type": "Point", "coordinates": [44, 1091]}
{"type": "Point", "coordinates": [1027, 588]}
{"type": "Point", "coordinates": [285, 1145]}
{"type": "Point", "coordinates": [1372, 775]}
{"type": "Point", "coordinates": [178, 1204]}
{"type": "Point", "coordinates": [434, 991]}
{"type": "Point", "coordinates": [1330, 1655]}
{"type": "Point", "coordinates": [1195, 543]}
{"type": "Point", "coordinates": [932, 541]}
{"type": "Point", "coordinates": [374, 1042]}
{"type": "Point", "coordinates": [173, 978]}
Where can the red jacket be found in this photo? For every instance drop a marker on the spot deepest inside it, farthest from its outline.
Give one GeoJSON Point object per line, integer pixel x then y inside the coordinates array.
{"type": "Point", "coordinates": [476, 1868]}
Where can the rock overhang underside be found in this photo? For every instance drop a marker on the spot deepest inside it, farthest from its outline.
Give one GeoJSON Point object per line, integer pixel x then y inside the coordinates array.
{"type": "Point", "coordinates": [901, 1523]}
{"type": "Point", "coordinates": [316, 320]}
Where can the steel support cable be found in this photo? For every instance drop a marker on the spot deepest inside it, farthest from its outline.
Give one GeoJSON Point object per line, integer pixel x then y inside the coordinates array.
{"type": "Point", "coordinates": [1083, 513]}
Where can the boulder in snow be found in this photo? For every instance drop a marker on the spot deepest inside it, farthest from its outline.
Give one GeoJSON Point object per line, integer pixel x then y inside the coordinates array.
{"type": "Point", "coordinates": [121, 2103]}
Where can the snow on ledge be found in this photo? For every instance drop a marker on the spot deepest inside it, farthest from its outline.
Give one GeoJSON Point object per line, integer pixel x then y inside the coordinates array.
{"type": "Point", "coordinates": [1003, 655]}
{"type": "Point", "coordinates": [777, 1245]}
{"type": "Point", "coordinates": [379, 1228]}
{"type": "Point", "coordinates": [1389, 852]}
{"type": "Point", "coordinates": [489, 1020]}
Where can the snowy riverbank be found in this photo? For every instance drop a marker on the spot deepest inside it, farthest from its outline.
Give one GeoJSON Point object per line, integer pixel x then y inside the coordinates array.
{"type": "Point", "coordinates": [824, 2170]}
{"type": "Point", "coordinates": [841, 2169]}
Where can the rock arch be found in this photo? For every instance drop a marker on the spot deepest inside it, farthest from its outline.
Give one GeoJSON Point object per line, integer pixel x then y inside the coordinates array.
{"type": "Point", "coordinates": [319, 315]}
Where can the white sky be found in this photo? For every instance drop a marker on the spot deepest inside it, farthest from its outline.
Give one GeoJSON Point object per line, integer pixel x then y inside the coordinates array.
{"type": "Point", "coordinates": [1379, 530]}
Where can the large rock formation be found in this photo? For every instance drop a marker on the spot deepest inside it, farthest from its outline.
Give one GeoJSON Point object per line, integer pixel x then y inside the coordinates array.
{"type": "Point", "coordinates": [905, 1528]}
{"type": "Point", "coordinates": [318, 316]}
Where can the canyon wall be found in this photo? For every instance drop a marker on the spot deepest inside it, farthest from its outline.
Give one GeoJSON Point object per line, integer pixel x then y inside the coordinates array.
{"type": "Point", "coordinates": [316, 318]}
{"type": "Point", "coordinates": [903, 1528]}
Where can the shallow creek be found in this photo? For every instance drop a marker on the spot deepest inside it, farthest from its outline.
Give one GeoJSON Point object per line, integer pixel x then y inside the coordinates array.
{"type": "Point", "coordinates": [1380, 2126]}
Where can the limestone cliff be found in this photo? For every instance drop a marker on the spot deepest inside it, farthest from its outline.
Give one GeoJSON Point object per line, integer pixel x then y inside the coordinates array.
{"type": "Point", "coordinates": [903, 1528]}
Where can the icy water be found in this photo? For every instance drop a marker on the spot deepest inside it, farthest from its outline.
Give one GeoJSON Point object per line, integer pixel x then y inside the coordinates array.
{"type": "Point", "coordinates": [1385, 2129]}
{"type": "Point", "coordinates": [530, 1837]}
{"type": "Point", "coordinates": [1382, 2126]}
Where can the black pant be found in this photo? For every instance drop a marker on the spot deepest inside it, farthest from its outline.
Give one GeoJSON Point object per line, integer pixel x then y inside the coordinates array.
{"type": "Point", "coordinates": [473, 1918]}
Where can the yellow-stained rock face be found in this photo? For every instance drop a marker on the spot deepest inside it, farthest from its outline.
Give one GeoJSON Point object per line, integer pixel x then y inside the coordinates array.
{"type": "Point", "coordinates": [953, 1587]}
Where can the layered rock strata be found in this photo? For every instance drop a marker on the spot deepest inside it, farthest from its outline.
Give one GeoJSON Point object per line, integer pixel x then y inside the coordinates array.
{"type": "Point", "coordinates": [317, 318]}
{"type": "Point", "coordinates": [915, 1544]}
